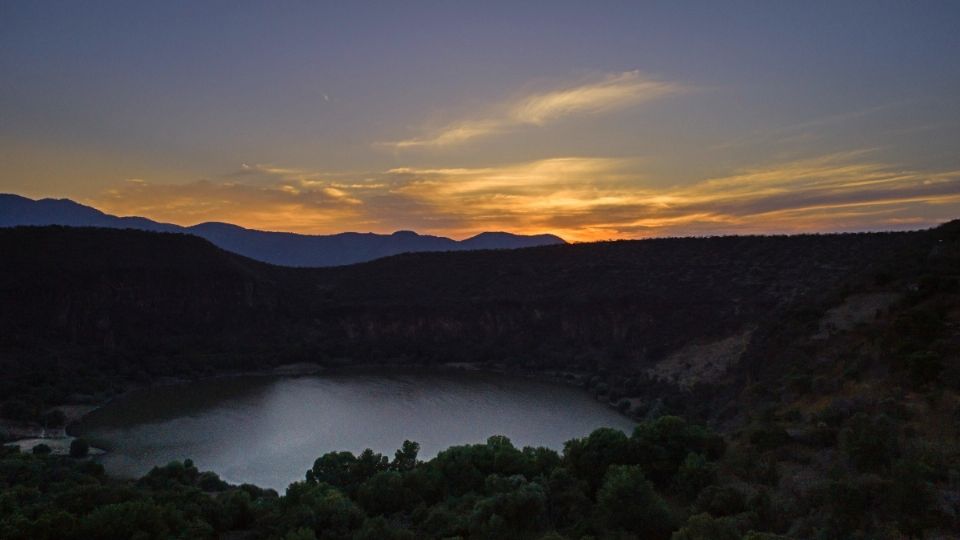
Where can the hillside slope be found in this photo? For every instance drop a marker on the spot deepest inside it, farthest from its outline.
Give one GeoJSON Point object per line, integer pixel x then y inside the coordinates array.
{"type": "Point", "coordinates": [144, 304]}
{"type": "Point", "coordinates": [830, 365]}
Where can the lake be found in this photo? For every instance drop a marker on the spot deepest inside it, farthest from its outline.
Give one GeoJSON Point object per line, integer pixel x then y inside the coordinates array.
{"type": "Point", "coordinates": [268, 430]}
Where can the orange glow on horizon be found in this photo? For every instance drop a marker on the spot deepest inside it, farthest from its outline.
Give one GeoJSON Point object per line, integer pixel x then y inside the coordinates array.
{"type": "Point", "coordinates": [578, 199]}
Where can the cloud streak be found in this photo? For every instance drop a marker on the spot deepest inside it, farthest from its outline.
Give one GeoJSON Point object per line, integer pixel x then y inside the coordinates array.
{"type": "Point", "coordinates": [613, 92]}
{"type": "Point", "coordinates": [579, 198]}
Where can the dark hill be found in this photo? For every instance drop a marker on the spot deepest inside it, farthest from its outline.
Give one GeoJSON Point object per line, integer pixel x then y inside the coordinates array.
{"type": "Point", "coordinates": [81, 301]}
{"type": "Point", "coordinates": [829, 366]}
{"type": "Point", "coordinates": [273, 247]}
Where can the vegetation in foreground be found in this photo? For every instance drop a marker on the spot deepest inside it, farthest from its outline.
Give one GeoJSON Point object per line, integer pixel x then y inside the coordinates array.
{"type": "Point", "coordinates": [840, 418]}
{"type": "Point", "coordinates": [669, 479]}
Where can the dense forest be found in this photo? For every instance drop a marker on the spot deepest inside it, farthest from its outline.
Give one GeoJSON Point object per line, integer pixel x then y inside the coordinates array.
{"type": "Point", "coordinates": [668, 480]}
{"type": "Point", "coordinates": [826, 401]}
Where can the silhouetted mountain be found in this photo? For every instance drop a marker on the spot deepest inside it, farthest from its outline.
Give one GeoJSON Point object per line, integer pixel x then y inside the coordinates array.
{"type": "Point", "coordinates": [16, 210]}
{"type": "Point", "coordinates": [493, 240]}
{"type": "Point", "coordinates": [286, 249]}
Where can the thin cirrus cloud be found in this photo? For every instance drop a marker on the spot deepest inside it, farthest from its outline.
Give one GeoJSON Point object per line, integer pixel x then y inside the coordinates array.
{"type": "Point", "coordinates": [579, 198]}
{"type": "Point", "coordinates": [610, 93]}
{"type": "Point", "coordinates": [592, 199]}
{"type": "Point", "coordinates": [303, 205]}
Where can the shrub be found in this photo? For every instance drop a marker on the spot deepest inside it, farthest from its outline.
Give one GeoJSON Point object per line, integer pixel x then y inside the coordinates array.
{"type": "Point", "coordinates": [511, 513]}
{"type": "Point", "coordinates": [848, 505]}
{"type": "Point", "coordinates": [588, 458]}
{"type": "Point", "coordinates": [209, 481]}
{"type": "Point", "coordinates": [381, 529]}
{"type": "Point", "coordinates": [384, 493]}
{"type": "Point", "coordinates": [910, 499]}
{"type": "Point", "coordinates": [79, 448]}
{"type": "Point", "coordinates": [721, 501]}
{"type": "Point", "coordinates": [870, 443]}
{"type": "Point", "coordinates": [769, 437]}
{"type": "Point", "coordinates": [695, 473]}
{"type": "Point", "coordinates": [706, 527]}
{"type": "Point", "coordinates": [627, 502]}
{"type": "Point", "coordinates": [664, 444]}
{"type": "Point", "coordinates": [135, 519]}
{"type": "Point", "coordinates": [42, 449]}
{"type": "Point", "coordinates": [567, 500]}
{"type": "Point", "coordinates": [923, 366]}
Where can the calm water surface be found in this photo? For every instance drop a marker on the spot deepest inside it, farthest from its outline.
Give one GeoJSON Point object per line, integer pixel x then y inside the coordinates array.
{"type": "Point", "coordinates": [268, 430]}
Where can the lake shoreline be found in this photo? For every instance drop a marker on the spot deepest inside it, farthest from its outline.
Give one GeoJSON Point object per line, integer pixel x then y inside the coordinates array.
{"type": "Point", "coordinates": [75, 413]}
{"type": "Point", "coordinates": [292, 417]}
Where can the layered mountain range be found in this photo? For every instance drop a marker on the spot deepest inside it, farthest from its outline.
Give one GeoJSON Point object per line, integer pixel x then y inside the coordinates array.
{"type": "Point", "coordinates": [280, 248]}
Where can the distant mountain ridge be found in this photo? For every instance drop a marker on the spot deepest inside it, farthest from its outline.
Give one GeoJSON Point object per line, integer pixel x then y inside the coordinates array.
{"type": "Point", "coordinates": [286, 249]}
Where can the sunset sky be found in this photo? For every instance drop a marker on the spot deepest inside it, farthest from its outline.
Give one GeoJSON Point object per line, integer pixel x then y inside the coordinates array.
{"type": "Point", "coordinates": [590, 120]}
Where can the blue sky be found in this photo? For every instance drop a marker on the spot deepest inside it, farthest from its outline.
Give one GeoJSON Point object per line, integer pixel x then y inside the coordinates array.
{"type": "Point", "coordinates": [591, 120]}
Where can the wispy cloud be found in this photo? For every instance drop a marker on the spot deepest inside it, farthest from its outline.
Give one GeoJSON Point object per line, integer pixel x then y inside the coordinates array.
{"type": "Point", "coordinates": [454, 134]}
{"type": "Point", "coordinates": [579, 198]}
{"type": "Point", "coordinates": [609, 93]}
{"type": "Point", "coordinates": [285, 204]}
{"type": "Point", "coordinates": [613, 92]}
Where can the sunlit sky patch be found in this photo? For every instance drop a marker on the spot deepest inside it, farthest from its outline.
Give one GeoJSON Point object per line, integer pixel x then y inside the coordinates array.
{"type": "Point", "coordinates": [587, 120]}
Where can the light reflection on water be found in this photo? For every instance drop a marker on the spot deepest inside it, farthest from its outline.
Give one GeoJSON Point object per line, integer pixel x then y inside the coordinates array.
{"type": "Point", "coordinates": [268, 430]}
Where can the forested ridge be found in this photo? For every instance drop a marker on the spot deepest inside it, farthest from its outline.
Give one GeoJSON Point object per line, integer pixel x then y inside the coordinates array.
{"type": "Point", "coordinates": [826, 402]}
{"type": "Point", "coordinates": [86, 311]}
